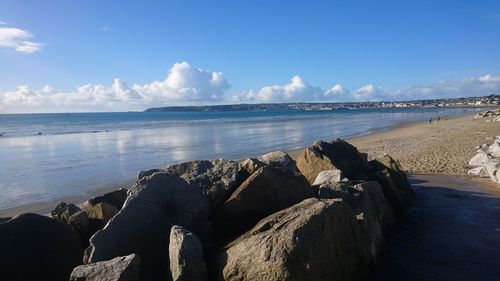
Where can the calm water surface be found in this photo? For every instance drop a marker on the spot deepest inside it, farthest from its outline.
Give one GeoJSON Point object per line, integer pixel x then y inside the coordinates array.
{"type": "Point", "coordinates": [78, 153]}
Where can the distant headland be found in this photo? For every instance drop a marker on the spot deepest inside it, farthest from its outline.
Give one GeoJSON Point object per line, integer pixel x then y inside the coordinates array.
{"type": "Point", "coordinates": [490, 100]}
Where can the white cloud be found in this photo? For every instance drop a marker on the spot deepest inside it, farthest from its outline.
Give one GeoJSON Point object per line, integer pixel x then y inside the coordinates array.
{"type": "Point", "coordinates": [19, 40]}
{"type": "Point", "coordinates": [338, 94]}
{"type": "Point", "coordinates": [471, 86]}
{"type": "Point", "coordinates": [371, 93]}
{"type": "Point", "coordinates": [183, 83]}
{"type": "Point", "coordinates": [295, 91]}
{"type": "Point", "coordinates": [299, 90]}
{"type": "Point", "coordinates": [106, 28]}
{"type": "Point", "coordinates": [2, 22]}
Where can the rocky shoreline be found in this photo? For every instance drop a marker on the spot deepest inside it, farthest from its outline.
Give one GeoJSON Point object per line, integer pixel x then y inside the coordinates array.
{"type": "Point", "coordinates": [321, 216]}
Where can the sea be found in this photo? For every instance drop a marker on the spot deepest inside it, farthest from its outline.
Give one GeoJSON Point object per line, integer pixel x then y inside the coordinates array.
{"type": "Point", "coordinates": [44, 157]}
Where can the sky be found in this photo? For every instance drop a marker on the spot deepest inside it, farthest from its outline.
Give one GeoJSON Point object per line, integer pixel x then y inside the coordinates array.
{"type": "Point", "coordinates": [77, 56]}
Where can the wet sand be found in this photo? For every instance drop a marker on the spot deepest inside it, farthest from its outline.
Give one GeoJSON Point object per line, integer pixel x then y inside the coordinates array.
{"type": "Point", "coordinates": [454, 234]}
{"type": "Point", "coordinates": [44, 208]}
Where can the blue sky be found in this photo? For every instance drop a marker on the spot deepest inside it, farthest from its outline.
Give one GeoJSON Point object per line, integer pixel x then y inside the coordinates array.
{"type": "Point", "coordinates": [171, 49]}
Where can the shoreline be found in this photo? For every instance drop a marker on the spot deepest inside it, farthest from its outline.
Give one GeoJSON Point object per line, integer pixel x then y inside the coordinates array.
{"type": "Point", "coordinates": [376, 143]}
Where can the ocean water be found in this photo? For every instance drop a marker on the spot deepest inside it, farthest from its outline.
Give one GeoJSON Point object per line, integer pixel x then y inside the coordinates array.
{"type": "Point", "coordinates": [44, 157]}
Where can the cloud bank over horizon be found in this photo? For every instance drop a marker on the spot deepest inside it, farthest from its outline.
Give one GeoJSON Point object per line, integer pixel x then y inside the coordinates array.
{"type": "Point", "coordinates": [187, 85]}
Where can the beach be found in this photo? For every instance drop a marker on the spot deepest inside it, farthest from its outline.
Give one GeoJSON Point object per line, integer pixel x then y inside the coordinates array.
{"type": "Point", "coordinates": [443, 147]}
{"type": "Point", "coordinates": [77, 155]}
{"type": "Point", "coordinates": [451, 232]}
{"type": "Point", "coordinates": [440, 148]}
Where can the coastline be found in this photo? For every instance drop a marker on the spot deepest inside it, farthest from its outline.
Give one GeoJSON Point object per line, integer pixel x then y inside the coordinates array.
{"type": "Point", "coordinates": [420, 147]}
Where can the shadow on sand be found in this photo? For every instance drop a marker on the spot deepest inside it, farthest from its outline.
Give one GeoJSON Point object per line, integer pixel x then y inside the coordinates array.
{"type": "Point", "coordinates": [454, 234]}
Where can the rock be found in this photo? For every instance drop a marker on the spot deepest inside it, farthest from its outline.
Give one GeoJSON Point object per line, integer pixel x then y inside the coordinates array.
{"type": "Point", "coordinates": [100, 214]}
{"type": "Point", "coordinates": [494, 149]}
{"type": "Point", "coordinates": [328, 176]}
{"type": "Point", "coordinates": [492, 167]}
{"type": "Point", "coordinates": [337, 154]}
{"type": "Point", "coordinates": [71, 214]}
{"type": "Point", "coordinates": [361, 203]}
{"type": "Point", "coordinates": [478, 171]}
{"type": "Point", "coordinates": [216, 178]}
{"type": "Point", "coordinates": [118, 269]}
{"type": "Point", "coordinates": [281, 160]}
{"type": "Point", "coordinates": [383, 209]}
{"type": "Point", "coordinates": [115, 198]}
{"type": "Point", "coordinates": [484, 145]}
{"type": "Point", "coordinates": [312, 240]}
{"type": "Point", "coordinates": [4, 219]}
{"type": "Point", "coordinates": [64, 211]}
{"type": "Point", "coordinates": [479, 160]}
{"type": "Point", "coordinates": [364, 155]}
{"type": "Point", "coordinates": [247, 167]}
{"type": "Point", "coordinates": [266, 191]}
{"type": "Point", "coordinates": [397, 175]}
{"type": "Point", "coordinates": [35, 247]}
{"type": "Point", "coordinates": [142, 226]}
{"type": "Point", "coordinates": [391, 193]}
{"type": "Point", "coordinates": [186, 256]}
{"type": "Point", "coordinates": [80, 222]}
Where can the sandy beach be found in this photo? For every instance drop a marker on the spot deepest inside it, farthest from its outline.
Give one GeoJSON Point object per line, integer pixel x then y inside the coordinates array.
{"type": "Point", "coordinates": [452, 233]}
{"type": "Point", "coordinates": [443, 147]}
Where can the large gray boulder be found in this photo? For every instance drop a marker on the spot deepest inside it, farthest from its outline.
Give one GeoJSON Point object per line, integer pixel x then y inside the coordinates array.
{"type": "Point", "coordinates": [117, 269]}
{"type": "Point", "coordinates": [280, 160]}
{"type": "Point", "coordinates": [35, 247]}
{"type": "Point", "coordinates": [391, 193]}
{"type": "Point", "coordinates": [215, 178]}
{"type": "Point", "coordinates": [266, 191]}
{"type": "Point", "coordinates": [153, 205]}
{"type": "Point", "coordinates": [312, 240]}
{"type": "Point", "coordinates": [398, 176]}
{"type": "Point", "coordinates": [364, 209]}
{"type": "Point", "coordinates": [186, 256]}
{"type": "Point", "coordinates": [383, 209]}
{"type": "Point", "coordinates": [338, 154]}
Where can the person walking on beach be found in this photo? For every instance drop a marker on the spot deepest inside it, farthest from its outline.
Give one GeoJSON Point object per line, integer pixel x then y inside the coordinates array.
{"type": "Point", "coordinates": [439, 118]}
{"type": "Point", "coordinates": [430, 121]}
